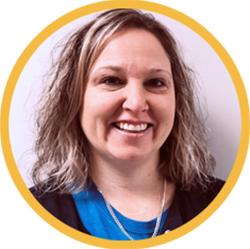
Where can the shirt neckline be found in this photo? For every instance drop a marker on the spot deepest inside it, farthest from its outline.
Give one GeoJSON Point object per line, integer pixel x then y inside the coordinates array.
{"type": "Point", "coordinates": [131, 225]}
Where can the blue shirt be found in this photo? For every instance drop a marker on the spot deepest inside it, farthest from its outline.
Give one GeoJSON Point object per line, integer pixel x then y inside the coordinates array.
{"type": "Point", "coordinates": [99, 222]}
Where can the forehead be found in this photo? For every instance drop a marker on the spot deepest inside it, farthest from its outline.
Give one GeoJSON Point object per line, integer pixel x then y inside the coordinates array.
{"type": "Point", "coordinates": [133, 48]}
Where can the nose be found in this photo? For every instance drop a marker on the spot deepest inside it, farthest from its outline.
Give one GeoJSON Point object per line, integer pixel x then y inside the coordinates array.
{"type": "Point", "coordinates": [136, 99]}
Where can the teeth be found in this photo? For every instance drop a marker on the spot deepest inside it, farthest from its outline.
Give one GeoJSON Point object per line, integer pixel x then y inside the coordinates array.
{"type": "Point", "coordinates": [131, 127]}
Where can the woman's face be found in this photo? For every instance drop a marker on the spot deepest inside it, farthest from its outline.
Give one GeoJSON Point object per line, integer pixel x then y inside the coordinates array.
{"type": "Point", "coordinates": [129, 102]}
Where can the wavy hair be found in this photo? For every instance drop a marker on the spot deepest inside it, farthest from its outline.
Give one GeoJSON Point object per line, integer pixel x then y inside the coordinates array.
{"type": "Point", "coordinates": [62, 148]}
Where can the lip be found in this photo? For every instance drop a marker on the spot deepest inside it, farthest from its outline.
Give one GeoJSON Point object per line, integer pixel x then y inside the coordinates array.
{"type": "Point", "coordinates": [133, 134]}
{"type": "Point", "coordinates": [133, 122]}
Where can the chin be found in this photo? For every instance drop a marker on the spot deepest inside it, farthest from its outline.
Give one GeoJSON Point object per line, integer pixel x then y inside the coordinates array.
{"type": "Point", "coordinates": [129, 156]}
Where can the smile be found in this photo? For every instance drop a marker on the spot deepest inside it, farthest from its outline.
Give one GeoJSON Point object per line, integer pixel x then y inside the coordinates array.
{"type": "Point", "coordinates": [135, 128]}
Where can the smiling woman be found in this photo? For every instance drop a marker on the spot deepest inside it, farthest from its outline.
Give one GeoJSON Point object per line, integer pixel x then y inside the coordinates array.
{"type": "Point", "coordinates": [121, 151]}
{"type": "Point", "coordinates": [124, 100]}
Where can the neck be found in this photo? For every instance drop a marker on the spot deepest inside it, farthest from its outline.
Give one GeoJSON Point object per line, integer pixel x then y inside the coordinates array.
{"type": "Point", "coordinates": [126, 176]}
{"type": "Point", "coordinates": [138, 183]}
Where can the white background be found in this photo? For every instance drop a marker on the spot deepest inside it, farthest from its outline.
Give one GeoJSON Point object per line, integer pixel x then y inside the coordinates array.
{"type": "Point", "coordinates": [21, 21]}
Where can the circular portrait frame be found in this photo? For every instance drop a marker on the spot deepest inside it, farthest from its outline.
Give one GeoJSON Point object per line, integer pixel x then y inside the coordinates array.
{"type": "Point", "coordinates": [147, 6]}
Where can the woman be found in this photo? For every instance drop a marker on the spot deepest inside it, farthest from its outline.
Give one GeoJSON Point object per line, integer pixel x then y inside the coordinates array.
{"type": "Point", "coordinates": [121, 150]}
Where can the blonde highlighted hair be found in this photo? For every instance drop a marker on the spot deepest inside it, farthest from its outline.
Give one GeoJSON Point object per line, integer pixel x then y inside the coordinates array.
{"type": "Point", "coordinates": [62, 148]}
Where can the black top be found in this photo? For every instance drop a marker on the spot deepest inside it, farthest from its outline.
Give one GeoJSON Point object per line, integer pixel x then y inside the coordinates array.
{"type": "Point", "coordinates": [185, 206]}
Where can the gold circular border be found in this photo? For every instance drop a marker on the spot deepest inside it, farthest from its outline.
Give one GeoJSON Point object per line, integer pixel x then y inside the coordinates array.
{"type": "Point", "coordinates": [100, 6]}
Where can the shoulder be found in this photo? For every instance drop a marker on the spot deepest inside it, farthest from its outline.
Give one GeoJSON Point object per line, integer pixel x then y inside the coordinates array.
{"type": "Point", "coordinates": [60, 205]}
{"type": "Point", "coordinates": [192, 202]}
{"type": "Point", "coordinates": [187, 204]}
{"type": "Point", "coordinates": [51, 200]}
{"type": "Point", "coordinates": [209, 192]}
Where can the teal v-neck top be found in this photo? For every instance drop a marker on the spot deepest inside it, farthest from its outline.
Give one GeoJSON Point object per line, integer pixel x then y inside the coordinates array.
{"type": "Point", "coordinates": [98, 221]}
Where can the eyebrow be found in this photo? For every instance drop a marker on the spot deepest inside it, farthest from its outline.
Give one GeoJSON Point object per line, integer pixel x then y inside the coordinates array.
{"type": "Point", "coordinates": [120, 69]}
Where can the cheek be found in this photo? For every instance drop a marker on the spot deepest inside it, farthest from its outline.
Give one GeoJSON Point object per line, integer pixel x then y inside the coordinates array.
{"type": "Point", "coordinates": [166, 116]}
{"type": "Point", "coordinates": [171, 110]}
{"type": "Point", "coordinates": [166, 109]}
{"type": "Point", "coordinates": [88, 109]}
{"type": "Point", "coordinates": [96, 111]}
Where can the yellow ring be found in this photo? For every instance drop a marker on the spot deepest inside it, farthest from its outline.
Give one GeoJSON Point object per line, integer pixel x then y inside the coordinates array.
{"type": "Point", "coordinates": [92, 8]}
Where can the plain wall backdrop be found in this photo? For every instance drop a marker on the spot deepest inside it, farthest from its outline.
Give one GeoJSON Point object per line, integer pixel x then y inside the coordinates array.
{"type": "Point", "coordinates": [216, 91]}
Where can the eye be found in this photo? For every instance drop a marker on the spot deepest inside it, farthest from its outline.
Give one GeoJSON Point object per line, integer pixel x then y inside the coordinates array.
{"type": "Point", "coordinates": [156, 83]}
{"type": "Point", "coordinates": [111, 81]}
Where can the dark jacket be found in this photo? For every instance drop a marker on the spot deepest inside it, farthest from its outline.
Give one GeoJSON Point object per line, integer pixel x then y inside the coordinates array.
{"type": "Point", "coordinates": [185, 206]}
